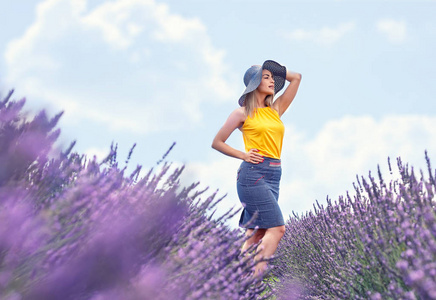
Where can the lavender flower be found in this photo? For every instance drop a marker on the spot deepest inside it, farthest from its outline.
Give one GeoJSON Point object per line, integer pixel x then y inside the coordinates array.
{"type": "Point", "coordinates": [378, 244]}
{"type": "Point", "coordinates": [74, 228]}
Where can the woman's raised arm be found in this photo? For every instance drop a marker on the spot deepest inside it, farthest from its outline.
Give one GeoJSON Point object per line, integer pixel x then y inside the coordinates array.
{"type": "Point", "coordinates": [282, 103]}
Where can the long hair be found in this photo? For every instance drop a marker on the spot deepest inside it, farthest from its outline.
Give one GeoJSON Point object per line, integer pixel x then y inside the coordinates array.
{"type": "Point", "coordinates": [250, 103]}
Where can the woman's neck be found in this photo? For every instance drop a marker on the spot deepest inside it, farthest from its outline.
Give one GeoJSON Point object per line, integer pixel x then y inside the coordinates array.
{"type": "Point", "coordinates": [260, 99]}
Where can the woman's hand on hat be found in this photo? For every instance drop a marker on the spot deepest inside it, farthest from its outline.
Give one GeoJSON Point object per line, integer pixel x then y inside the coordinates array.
{"type": "Point", "coordinates": [253, 156]}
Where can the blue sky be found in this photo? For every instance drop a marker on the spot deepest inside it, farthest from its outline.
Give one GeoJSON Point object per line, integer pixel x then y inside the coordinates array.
{"type": "Point", "coordinates": [156, 72]}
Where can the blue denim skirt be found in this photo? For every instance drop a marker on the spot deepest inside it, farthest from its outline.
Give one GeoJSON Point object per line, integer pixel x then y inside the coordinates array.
{"type": "Point", "coordinates": [258, 190]}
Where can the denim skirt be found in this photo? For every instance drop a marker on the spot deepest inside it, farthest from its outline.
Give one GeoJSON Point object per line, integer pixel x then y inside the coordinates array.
{"type": "Point", "coordinates": [258, 190]}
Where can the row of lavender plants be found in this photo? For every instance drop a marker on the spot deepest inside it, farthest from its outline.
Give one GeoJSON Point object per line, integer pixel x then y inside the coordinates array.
{"type": "Point", "coordinates": [378, 244]}
{"type": "Point", "coordinates": [75, 228]}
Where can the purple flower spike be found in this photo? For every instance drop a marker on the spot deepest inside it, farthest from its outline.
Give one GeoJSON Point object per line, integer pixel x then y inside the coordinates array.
{"type": "Point", "coordinates": [379, 243]}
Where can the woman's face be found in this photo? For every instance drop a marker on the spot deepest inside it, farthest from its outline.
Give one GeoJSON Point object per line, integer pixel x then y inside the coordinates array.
{"type": "Point", "coordinates": [266, 85]}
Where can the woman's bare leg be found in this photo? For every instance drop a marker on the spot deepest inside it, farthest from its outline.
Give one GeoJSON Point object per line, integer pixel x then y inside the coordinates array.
{"type": "Point", "coordinates": [254, 239]}
{"type": "Point", "coordinates": [268, 246]}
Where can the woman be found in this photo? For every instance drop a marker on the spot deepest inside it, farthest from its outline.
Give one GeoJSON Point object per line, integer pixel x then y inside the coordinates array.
{"type": "Point", "coordinates": [259, 175]}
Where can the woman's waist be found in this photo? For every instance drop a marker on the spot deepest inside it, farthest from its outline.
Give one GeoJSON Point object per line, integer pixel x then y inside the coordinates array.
{"type": "Point", "coordinates": [267, 162]}
{"type": "Point", "coordinates": [266, 150]}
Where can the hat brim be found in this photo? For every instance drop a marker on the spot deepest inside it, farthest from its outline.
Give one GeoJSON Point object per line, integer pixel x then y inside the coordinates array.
{"type": "Point", "coordinates": [279, 73]}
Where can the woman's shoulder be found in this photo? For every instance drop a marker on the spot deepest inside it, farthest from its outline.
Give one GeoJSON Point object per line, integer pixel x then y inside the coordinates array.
{"type": "Point", "coordinates": [240, 113]}
{"type": "Point", "coordinates": [238, 116]}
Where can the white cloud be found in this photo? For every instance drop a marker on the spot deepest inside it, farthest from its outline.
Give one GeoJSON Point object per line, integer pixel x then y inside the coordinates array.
{"type": "Point", "coordinates": [395, 31]}
{"type": "Point", "coordinates": [99, 153]}
{"type": "Point", "coordinates": [174, 28]}
{"type": "Point", "coordinates": [127, 64]}
{"type": "Point", "coordinates": [325, 36]}
{"type": "Point", "coordinates": [328, 163]}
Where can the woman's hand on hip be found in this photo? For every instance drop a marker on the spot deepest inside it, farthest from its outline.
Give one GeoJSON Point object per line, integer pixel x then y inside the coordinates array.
{"type": "Point", "coordinates": [253, 156]}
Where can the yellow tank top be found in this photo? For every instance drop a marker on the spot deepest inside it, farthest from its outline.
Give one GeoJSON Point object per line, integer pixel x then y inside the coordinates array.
{"type": "Point", "coordinates": [264, 132]}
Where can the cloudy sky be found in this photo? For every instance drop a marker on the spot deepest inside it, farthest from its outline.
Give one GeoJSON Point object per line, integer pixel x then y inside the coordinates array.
{"type": "Point", "coordinates": [154, 72]}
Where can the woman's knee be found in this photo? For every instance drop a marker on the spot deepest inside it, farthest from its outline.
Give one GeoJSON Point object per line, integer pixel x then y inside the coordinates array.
{"type": "Point", "coordinates": [282, 229]}
{"type": "Point", "coordinates": [279, 230]}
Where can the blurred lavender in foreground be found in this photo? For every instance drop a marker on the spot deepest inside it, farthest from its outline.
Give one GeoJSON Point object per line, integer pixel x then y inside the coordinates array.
{"type": "Point", "coordinates": [73, 228]}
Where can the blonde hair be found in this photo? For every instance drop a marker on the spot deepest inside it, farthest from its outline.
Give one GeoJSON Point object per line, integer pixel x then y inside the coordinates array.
{"type": "Point", "coordinates": [250, 103]}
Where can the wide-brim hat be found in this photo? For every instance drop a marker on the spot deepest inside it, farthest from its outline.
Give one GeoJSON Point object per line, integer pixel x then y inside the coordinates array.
{"type": "Point", "coordinates": [253, 77]}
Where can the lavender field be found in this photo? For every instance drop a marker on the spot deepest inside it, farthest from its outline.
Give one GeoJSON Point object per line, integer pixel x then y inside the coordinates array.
{"type": "Point", "coordinates": [72, 227]}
